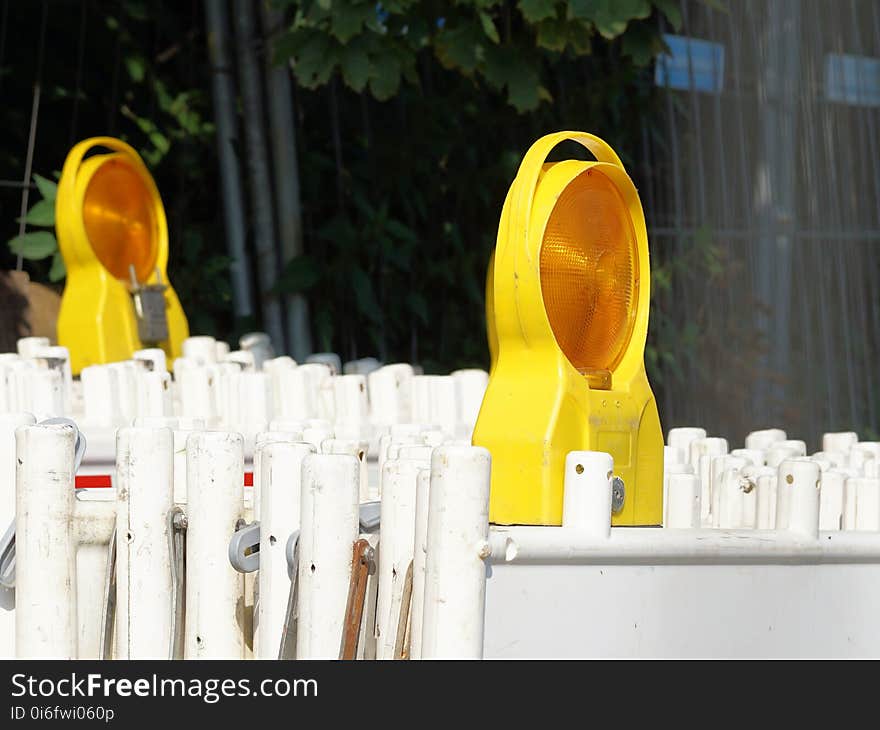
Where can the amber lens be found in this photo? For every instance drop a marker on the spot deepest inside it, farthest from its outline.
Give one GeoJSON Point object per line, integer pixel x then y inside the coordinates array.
{"type": "Point", "coordinates": [119, 220]}
{"type": "Point", "coordinates": [589, 272]}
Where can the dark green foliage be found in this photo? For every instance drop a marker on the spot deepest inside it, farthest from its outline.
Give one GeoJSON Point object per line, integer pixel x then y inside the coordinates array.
{"type": "Point", "coordinates": [413, 119]}
{"type": "Point", "coordinates": [144, 77]}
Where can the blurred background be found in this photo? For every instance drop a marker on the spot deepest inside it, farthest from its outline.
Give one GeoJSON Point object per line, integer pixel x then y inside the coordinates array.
{"type": "Point", "coordinates": [333, 173]}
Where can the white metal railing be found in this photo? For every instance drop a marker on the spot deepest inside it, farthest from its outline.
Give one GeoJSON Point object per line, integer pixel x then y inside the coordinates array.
{"type": "Point", "coordinates": [101, 564]}
{"type": "Point", "coordinates": [336, 459]}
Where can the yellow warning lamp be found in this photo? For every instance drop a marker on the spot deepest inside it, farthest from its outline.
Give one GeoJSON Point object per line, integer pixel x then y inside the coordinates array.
{"type": "Point", "coordinates": [567, 311]}
{"type": "Point", "coordinates": [114, 240]}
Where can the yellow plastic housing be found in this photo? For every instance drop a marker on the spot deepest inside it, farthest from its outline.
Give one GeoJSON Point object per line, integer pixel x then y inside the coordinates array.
{"type": "Point", "coordinates": [567, 310]}
{"type": "Point", "coordinates": [108, 217]}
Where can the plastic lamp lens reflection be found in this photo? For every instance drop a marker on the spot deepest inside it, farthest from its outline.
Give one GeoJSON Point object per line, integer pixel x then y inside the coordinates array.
{"type": "Point", "coordinates": [589, 273]}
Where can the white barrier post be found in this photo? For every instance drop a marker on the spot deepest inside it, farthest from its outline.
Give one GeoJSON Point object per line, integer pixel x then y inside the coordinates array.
{"type": "Point", "coordinates": [702, 453]}
{"type": "Point", "coordinates": [586, 500]}
{"type": "Point", "coordinates": [841, 441]}
{"type": "Point", "coordinates": [30, 346]}
{"type": "Point", "coordinates": [859, 458]}
{"type": "Point", "coordinates": [754, 456]}
{"type": "Point", "coordinates": [330, 525]}
{"type": "Point", "coordinates": [423, 491]}
{"type": "Point", "coordinates": [263, 439]}
{"type": "Point", "coordinates": [718, 466]}
{"type": "Point", "coordinates": [197, 387]}
{"type": "Point", "coordinates": [352, 447]}
{"type": "Point", "coordinates": [831, 500]}
{"type": "Point", "coordinates": [154, 395]}
{"type": "Point", "coordinates": [45, 546]}
{"type": "Point", "coordinates": [455, 571]}
{"type": "Point", "coordinates": [683, 505]}
{"type": "Point", "coordinates": [389, 390]}
{"type": "Point", "coordinates": [214, 590]}
{"type": "Point", "coordinates": [867, 494]}
{"type": "Point", "coordinates": [9, 422]}
{"type": "Point", "coordinates": [471, 387]}
{"type": "Point", "coordinates": [797, 499]}
{"type": "Point", "coordinates": [767, 497]}
{"type": "Point", "coordinates": [682, 438]}
{"type": "Point", "coordinates": [281, 487]}
{"type": "Point", "coordinates": [201, 349]}
{"type": "Point", "coordinates": [350, 399]}
{"type": "Point", "coordinates": [398, 525]}
{"type": "Point", "coordinates": [764, 439]}
{"type": "Point", "coordinates": [145, 485]}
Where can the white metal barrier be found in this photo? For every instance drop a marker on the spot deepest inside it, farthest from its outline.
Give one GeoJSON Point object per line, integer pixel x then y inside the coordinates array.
{"type": "Point", "coordinates": [366, 534]}
{"type": "Point", "coordinates": [103, 564]}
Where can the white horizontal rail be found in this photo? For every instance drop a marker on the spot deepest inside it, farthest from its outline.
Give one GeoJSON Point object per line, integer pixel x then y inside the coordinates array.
{"type": "Point", "coordinates": [651, 546]}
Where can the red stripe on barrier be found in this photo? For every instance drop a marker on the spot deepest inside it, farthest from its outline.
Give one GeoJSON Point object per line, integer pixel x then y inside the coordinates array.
{"type": "Point", "coordinates": [103, 481]}
{"type": "Point", "coordinates": [93, 481]}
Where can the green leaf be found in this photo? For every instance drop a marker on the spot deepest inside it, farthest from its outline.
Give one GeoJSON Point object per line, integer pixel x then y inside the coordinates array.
{"type": "Point", "coordinates": [364, 295]}
{"type": "Point", "coordinates": [136, 67]}
{"type": "Point", "coordinates": [672, 10]}
{"type": "Point", "coordinates": [299, 275]}
{"type": "Point", "coordinates": [460, 48]}
{"type": "Point", "coordinates": [609, 16]}
{"type": "Point", "coordinates": [58, 270]}
{"type": "Point", "coordinates": [48, 189]}
{"type": "Point", "coordinates": [347, 19]}
{"type": "Point", "coordinates": [641, 42]}
{"type": "Point", "coordinates": [385, 76]}
{"type": "Point", "coordinates": [535, 11]}
{"type": "Point", "coordinates": [315, 61]}
{"type": "Point", "coordinates": [506, 67]}
{"type": "Point", "coordinates": [553, 35]}
{"type": "Point", "coordinates": [34, 246]}
{"type": "Point", "coordinates": [41, 214]}
{"type": "Point", "coordinates": [355, 67]}
{"type": "Point", "coordinates": [489, 27]}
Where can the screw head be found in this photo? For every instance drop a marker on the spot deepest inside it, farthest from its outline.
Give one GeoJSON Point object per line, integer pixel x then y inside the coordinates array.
{"type": "Point", "coordinates": [618, 494]}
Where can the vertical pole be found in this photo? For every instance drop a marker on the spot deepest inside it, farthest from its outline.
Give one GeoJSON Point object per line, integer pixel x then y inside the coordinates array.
{"type": "Point", "coordinates": [423, 492]}
{"type": "Point", "coordinates": [227, 135]}
{"type": "Point", "coordinates": [797, 498]}
{"type": "Point", "coordinates": [683, 502]}
{"type": "Point", "coordinates": [330, 525]}
{"type": "Point", "coordinates": [145, 485]}
{"type": "Point", "coordinates": [259, 172]}
{"type": "Point", "coordinates": [45, 548]}
{"type": "Point", "coordinates": [398, 524]}
{"type": "Point", "coordinates": [587, 492]}
{"type": "Point", "coordinates": [9, 422]}
{"type": "Point", "coordinates": [214, 590]}
{"type": "Point", "coordinates": [831, 500]}
{"type": "Point", "coordinates": [287, 202]}
{"type": "Point", "coordinates": [455, 574]}
{"type": "Point", "coordinates": [281, 487]}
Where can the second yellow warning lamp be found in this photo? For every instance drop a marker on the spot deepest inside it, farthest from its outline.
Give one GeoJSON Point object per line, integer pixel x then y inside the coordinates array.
{"type": "Point", "coordinates": [114, 240]}
{"type": "Point", "coordinates": [567, 310]}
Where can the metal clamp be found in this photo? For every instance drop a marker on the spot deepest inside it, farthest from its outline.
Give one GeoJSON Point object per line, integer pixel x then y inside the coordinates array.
{"type": "Point", "coordinates": [618, 495]}
{"type": "Point", "coordinates": [369, 516]}
{"type": "Point", "coordinates": [404, 627]}
{"type": "Point", "coordinates": [244, 547]}
{"type": "Point", "coordinates": [177, 526]}
{"type": "Point", "coordinates": [7, 557]}
{"type": "Point", "coordinates": [108, 614]}
{"type": "Point", "coordinates": [7, 542]}
{"type": "Point", "coordinates": [363, 565]}
{"type": "Point", "coordinates": [287, 648]}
